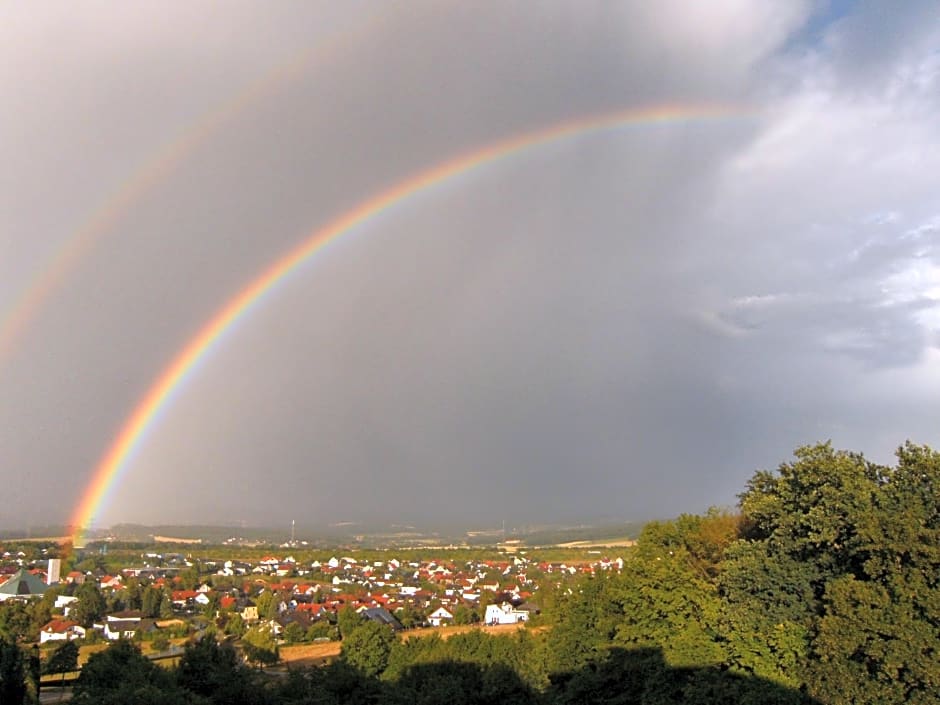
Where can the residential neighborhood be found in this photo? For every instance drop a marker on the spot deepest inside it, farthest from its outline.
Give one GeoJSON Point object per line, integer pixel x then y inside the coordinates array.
{"type": "Point", "coordinates": [159, 596]}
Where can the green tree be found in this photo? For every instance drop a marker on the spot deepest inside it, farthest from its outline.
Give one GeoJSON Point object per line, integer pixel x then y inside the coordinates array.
{"type": "Point", "coordinates": [769, 612]}
{"type": "Point", "coordinates": [189, 578]}
{"type": "Point", "coordinates": [321, 629]}
{"type": "Point", "coordinates": [64, 659]}
{"type": "Point", "coordinates": [669, 604]}
{"type": "Point", "coordinates": [367, 647]}
{"type": "Point", "coordinates": [213, 671]}
{"type": "Point", "coordinates": [266, 603]}
{"type": "Point", "coordinates": [876, 641]}
{"type": "Point", "coordinates": [166, 604]}
{"type": "Point", "coordinates": [150, 599]}
{"type": "Point", "coordinates": [120, 675]}
{"type": "Point", "coordinates": [12, 673]}
{"type": "Point", "coordinates": [40, 612]}
{"type": "Point", "coordinates": [33, 674]}
{"type": "Point", "coordinates": [347, 619]}
{"type": "Point", "coordinates": [813, 509]}
{"type": "Point", "coordinates": [294, 633]}
{"type": "Point", "coordinates": [834, 587]}
{"type": "Point", "coordinates": [409, 616]}
{"type": "Point", "coordinates": [15, 620]}
{"type": "Point", "coordinates": [160, 641]}
{"type": "Point", "coordinates": [133, 595]}
{"type": "Point", "coordinates": [408, 652]}
{"type": "Point", "coordinates": [585, 619]}
{"type": "Point", "coordinates": [260, 647]}
{"type": "Point", "coordinates": [90, 606]}
{"type": "Point", "coordinates": [464, 615]}
{"type": "Point", "coordinates": [235, 625]}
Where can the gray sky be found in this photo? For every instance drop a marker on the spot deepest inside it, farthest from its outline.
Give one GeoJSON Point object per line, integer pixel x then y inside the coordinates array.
{"type": "Point", "coordinates": [620, 325]}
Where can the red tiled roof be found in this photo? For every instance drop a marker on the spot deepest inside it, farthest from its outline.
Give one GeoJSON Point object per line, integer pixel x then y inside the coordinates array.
{"type": "Point", "coordinates": [59, 626]}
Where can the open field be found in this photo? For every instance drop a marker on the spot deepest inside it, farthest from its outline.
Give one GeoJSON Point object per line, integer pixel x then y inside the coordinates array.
{"type": "Point", "coordinates": [604, 543]}
{"type": "Point", "coordinates": [87, 650]}
{"type": "Point", "coordinates": [309, 654]}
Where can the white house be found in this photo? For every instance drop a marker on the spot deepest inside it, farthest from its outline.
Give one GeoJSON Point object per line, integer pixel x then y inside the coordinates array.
{"type": "Point", "coordinates": [504, 614]}
{"type": "Point", "coordinates": [64, 602]}
{"type": "Point", "coordinates": [122, 624]}
{"type": "Point", "coordinates": [61, 630]}
{"type": "Point", "coordinates": [439, 617]}
{"type": "Point", "coordinates": [114, 629]}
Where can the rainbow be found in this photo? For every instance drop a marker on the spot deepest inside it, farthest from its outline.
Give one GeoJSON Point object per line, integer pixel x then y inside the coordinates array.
{"type": "Point", "coordinates": [151, 173]}
{"type": "Point", "coordinates": [174, 376]}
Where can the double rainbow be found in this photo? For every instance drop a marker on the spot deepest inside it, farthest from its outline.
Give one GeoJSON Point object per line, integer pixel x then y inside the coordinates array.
{"type": "Point", "coordinates": [173, 378]}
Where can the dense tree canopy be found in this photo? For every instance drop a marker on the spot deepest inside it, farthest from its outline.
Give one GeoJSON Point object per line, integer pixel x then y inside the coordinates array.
{"type": "Point", "coordinates": [62, 660]}
{"type": "Point", "coordinates": [840, 563]}
{"type": "Point", "coordinates": [12, 673]}
{"type": "Point", "coordinates": [367, 647]}
{"type": "Point", "coordinates": [120, 675]}
{"type": "Point", "coordinates": [90, 606]}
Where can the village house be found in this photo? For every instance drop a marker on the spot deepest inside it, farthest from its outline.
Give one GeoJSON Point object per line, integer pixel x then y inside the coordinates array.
{"type": "Point", "coordinates": [249, 613]}
{"type": "Point", "coordinates": [75, 577]}
{"type": "Point", "coordinates": [110, 581]}
{"type": "Point", "coordinates": [504, 614]}
{"type": "Point", "coordinates": [440, 617]}
{"type": "Point", "coordinates": [61, 630]}
{"type": "Point", "coordinates": [382, 616]}
{"type": "Point", "coordinates": [183, 599]}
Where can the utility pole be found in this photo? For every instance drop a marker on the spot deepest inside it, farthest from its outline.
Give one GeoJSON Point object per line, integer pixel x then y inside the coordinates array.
{"type": "Point", "coordinates": [292, 531]}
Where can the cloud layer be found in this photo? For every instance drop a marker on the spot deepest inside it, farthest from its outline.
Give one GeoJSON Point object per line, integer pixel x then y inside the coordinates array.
{"type": "Point", "coordinates": [624, 324]}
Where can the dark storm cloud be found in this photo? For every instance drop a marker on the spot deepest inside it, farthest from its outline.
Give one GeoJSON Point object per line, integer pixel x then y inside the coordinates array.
{"type": "Point", "coordinates": [622, 324]}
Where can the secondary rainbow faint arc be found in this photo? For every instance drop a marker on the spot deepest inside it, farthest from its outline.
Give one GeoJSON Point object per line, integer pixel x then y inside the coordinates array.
{"type": "Point", "coordinates": [172, 378]}
{"type": "Point", "coordinates": [153, 171]}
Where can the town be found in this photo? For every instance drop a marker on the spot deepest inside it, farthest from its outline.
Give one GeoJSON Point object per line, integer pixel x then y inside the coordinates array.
{"type": "Point", "coordinates": [163, 599]}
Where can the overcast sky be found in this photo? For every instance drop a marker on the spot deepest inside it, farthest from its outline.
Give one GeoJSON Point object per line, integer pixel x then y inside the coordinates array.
{"type": "Point", "coordinates": [625, 324]}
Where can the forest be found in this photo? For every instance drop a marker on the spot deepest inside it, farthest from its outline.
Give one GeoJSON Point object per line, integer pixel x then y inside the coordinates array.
{"type": "Point", "coordinates": [821, 587]}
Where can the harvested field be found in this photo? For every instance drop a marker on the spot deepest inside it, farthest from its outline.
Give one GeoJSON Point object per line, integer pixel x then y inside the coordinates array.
{"type": "Point", "coordinates": [309, 654]}
{"type": "Point", "coordinates": [602, 543]}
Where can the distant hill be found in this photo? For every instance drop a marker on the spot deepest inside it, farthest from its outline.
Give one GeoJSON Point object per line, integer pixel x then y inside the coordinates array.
{"type": "Point", "coordinates": [376, 535]}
